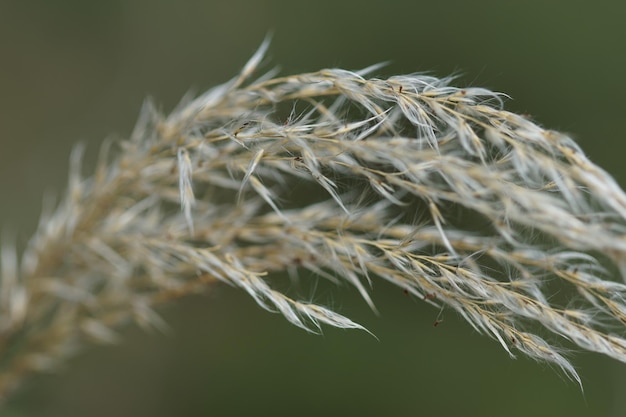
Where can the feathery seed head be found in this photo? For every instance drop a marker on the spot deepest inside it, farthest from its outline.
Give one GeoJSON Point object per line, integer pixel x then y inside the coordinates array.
{"type": "Point", "coordinates": [206, 194]}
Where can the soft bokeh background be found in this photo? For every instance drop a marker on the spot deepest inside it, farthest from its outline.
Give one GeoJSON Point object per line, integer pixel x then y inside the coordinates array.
{"type": "Point", "coordinates": [74, 70]}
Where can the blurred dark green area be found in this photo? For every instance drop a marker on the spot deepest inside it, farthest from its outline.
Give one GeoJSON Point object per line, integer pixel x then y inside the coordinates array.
{"type": "Point", "coordinates": [79, 70]}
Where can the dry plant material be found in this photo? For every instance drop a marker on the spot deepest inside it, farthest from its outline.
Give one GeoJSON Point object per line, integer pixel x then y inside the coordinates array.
{"type": "Point", "coordinates": [434, 188]}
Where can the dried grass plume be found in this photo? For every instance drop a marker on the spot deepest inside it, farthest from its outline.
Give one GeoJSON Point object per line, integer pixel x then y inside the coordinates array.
{"type": "Point", "coordinates": [434, 188]}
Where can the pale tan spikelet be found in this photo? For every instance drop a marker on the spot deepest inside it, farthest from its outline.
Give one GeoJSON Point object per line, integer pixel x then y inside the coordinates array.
{"type": "Point", "coordinates": [204, 195]}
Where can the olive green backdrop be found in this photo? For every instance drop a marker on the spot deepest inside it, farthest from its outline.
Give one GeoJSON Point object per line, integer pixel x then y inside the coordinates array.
{"type": "Point", "coordinates": [75, 70]}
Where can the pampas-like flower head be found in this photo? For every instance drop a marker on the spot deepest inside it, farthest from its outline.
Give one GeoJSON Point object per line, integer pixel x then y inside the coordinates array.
{"type": "Point", "coordinates": [434, 188]}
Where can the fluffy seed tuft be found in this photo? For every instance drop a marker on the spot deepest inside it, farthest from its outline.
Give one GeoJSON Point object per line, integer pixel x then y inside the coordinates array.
{"type": "Point", "coordinates": [434, 188]}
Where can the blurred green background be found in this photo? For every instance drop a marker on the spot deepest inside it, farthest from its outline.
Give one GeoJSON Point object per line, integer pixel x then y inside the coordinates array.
{"type": "Point", "coordinates": [75, 70]}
